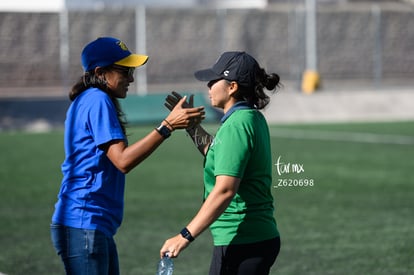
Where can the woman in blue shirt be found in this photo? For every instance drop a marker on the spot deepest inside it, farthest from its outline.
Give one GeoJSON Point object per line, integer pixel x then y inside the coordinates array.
{"type": "Point", "coordinates": [90, 202]}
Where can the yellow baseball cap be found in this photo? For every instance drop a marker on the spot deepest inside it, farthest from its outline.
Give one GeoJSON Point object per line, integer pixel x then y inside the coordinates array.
{"type": "Point", "coordinates": [106, 51]}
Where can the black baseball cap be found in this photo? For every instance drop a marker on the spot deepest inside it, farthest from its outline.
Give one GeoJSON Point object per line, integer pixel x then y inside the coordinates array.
{"type": "Point", "coordinates": [233, 66]}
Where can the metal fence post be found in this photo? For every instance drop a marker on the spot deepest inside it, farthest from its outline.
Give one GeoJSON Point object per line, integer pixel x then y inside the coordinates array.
{"type": "Point", "coordinates": [141, 48]}
{"type": "Point", "coordinates": [311, 52]}
{"type": "Point", "coordinates": [221, 14]}
{"type": "Point", "coordinates": [64, 46]}
{"type": "Point", "coordinates": [377, 52]}
{"type": "Point", "coordinates": [311, 77]}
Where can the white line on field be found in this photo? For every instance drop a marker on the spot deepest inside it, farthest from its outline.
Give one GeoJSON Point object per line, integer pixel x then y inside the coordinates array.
{"type": "Point", "coordinates": [342, 136]}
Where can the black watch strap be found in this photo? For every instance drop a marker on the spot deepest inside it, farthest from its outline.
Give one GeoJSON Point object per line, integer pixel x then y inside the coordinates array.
{"type": "Point", "coordinates": [163, 131]}
{"type": "Point", "coordinates": [186, 234]}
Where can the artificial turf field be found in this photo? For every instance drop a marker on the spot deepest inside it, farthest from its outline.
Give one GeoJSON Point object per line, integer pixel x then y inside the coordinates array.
{"type": "Point", "coordinates": [356, 218]}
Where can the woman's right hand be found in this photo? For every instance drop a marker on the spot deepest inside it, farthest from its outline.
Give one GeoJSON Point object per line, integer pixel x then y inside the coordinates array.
{"type": "Point", "coordinates": [183, 115]}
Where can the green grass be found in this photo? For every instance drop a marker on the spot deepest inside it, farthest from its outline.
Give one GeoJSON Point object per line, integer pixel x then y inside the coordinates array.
{"type": "Point", "coordinates": [357, 218]}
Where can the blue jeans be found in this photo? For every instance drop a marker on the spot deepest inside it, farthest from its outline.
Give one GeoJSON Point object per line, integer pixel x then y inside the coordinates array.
{"type": "Point", "coordinates": [85, 252]}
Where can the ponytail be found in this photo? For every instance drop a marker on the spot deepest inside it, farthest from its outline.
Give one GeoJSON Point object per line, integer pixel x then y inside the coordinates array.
{"type": "Point", "coordinates": [255, 96]}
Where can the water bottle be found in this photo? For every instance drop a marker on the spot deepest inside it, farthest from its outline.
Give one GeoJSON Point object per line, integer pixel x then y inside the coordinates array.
{"type": "Point", "coordinates": [165, 266]}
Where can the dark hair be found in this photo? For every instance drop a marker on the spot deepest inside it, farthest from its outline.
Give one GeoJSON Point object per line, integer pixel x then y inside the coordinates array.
{"type": "Point", "coordinates": [90, 79]}
{"type": "Point", "coordinates": [256, 96]}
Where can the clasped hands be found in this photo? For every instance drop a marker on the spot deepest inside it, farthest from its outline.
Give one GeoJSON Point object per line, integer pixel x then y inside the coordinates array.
{"type": "Point", "coordinates": [183, 114]}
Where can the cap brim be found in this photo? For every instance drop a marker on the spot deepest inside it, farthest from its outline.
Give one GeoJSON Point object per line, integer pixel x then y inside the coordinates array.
{"type": "Point", "coordinates": [206, 75]}
{"type": "Point", "coordinates": [133, 60]}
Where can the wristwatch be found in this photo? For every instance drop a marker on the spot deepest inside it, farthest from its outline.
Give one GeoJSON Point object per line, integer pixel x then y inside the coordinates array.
{"type": "Point", "coordinates": [186, 234]}
{"type": "Point", "coordinates": [163, 131]}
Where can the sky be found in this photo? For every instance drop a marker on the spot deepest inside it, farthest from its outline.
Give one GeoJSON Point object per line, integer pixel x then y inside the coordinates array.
{"type": "Point", "coordinates": [30, 5]}
{"type": "Point", "coordinates": [57, 5]}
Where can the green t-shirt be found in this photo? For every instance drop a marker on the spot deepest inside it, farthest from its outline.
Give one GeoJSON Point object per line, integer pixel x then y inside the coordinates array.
{"type": "Point", "coordinates": [241, 148]}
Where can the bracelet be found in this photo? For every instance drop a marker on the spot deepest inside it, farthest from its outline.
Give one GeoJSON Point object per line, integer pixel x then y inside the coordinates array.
{"type": "Point", "coordinates": [186, 234]}
{"type": "Point", "coordinates": [169, 124]}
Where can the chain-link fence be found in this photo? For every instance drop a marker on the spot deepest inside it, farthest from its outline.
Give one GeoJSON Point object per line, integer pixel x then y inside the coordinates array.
{"type": "Point", "coordinates": [371, 42]}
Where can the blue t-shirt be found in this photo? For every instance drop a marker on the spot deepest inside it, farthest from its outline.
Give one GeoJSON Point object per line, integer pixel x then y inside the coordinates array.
{"type": "Point", "coordinates": [92, 190]}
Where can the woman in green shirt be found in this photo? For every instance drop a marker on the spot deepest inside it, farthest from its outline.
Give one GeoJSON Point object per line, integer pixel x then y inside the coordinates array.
{"type": "Point", "coordinates": [238, 203]}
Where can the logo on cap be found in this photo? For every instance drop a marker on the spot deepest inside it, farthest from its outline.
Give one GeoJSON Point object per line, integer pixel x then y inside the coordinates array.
{"type": "Point", "coordinates": [122, 45]}
{"type": "Point", "coordinates": [226, 73]}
